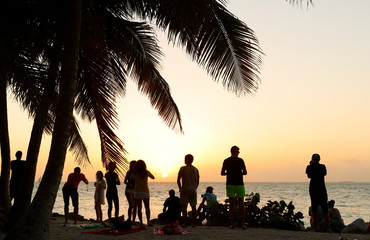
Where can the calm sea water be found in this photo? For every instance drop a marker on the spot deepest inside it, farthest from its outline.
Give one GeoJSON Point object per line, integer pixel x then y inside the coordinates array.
{"type": "Point", "coordinates": [352, 199]}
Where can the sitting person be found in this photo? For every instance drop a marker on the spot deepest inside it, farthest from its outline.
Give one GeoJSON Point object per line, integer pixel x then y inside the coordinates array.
{"type": "Point", "coordinates": [171, 209]}
{"type": "Point", "coordinates": [336, 221]}
{"type": "Point", "coordinates": [334, 212]}
{"type": "Point", "coordinates": [206, 198]}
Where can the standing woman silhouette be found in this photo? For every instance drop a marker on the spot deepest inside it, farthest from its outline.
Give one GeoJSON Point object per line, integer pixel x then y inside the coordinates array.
{"type": "Point", "coordinates": [319, 197]}
{"type": "Point", "coordinates": [112, 195]}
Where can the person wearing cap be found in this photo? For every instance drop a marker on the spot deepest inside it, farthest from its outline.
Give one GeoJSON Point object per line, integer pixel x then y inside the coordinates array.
{"type": "Point", "coordinates": [319, 197]}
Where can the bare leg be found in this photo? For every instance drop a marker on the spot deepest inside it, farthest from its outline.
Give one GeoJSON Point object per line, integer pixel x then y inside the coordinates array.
{"type": "Point", "coordinates": [147, 210]}
{"type": "Point", "coordinates": [242, 211]}
{"type": "Point", "coordinates": [327, 221]}
{"type": "Point", "coordinates": [131, 206]}
{"type": "Point", "coordinates": [193, 215]}
{"type": "Point", "coordinates": [97, 212]}
{"type": "Point", "coordinates": [75, 211]}
{"type": "Point", "coordinates": [315, 218]}
{"type": "Point", "coordinates": [134, 209]}
{"type": "Point", "coordinates": [184, 214]}
{"type": "Point", "coordinates": [66, 211]}
{"type": "Point", "coordinates": [232, 211]}
{"type": "Point", "coordinates": [139, 213]}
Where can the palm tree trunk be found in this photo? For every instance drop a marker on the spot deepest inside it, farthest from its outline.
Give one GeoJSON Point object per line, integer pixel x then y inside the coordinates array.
{"type": "Point", "coordinates": [35, 223]}
{"type": "Point", "coordinates": [22, 203]}
{"type": "Point", "coordinates": [5, 152]}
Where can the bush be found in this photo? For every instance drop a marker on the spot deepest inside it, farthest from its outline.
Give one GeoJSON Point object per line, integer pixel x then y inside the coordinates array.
{"type": "Point", "coordinates": [274, 214]}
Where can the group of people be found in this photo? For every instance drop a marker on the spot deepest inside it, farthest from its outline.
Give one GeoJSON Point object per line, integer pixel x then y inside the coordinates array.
{"type": "Point", "coordinates": [188, 181]}
{"type": "Point", "coordinates": [320, 207]}
{"type": "Point", "coordinates": [137, 191]}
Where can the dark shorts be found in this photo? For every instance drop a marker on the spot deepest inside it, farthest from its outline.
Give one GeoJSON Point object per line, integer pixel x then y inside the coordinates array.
{"type": "Point", "coordinates": [69, 191]}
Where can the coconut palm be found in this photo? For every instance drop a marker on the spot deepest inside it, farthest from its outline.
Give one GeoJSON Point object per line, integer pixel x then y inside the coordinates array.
{"type": "Point", "coordinates": [213, 37]}
{"type": "Point", "coordinates": [97, 102]}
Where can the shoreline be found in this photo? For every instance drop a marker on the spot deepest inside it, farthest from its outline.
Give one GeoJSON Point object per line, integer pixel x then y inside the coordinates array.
{"type": "Point", "coordinates": [59, 232]}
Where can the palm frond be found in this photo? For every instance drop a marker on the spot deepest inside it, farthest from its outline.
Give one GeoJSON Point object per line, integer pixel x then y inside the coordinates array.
{"type": "Point", "coordinates": [99, 83]}
{"type": "Point", "coordinates": [219, 42]}
{"type": "Point", "coordinates": [140, 54]}
{"type": "Point", "coordinates": [77, 145]}
{"type": "Point", "coordinates": [300, 2]}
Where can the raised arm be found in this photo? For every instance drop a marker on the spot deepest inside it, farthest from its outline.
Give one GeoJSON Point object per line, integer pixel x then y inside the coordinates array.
{"type": "Point", "coordinates": [150, 175]}
{"type": "Point", "coordinates": [84, 179]}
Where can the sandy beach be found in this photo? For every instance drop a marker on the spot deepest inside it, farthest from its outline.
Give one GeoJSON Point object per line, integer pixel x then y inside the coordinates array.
{"type": "Point", "coordinates": [58, 232]}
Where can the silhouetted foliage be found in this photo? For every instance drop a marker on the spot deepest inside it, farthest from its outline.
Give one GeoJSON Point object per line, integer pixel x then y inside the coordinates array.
{"type": "Point", "coordinates": [275, 214]}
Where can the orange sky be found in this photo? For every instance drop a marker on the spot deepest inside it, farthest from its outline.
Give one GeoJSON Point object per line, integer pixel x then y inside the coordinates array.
{"type": "Point", "coordinates": [313, 98]}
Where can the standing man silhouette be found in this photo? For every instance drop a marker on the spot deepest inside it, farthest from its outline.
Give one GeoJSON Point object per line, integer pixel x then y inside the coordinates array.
{"type": "Point", "coordinates": [70, 190]}
{"type": "Point", "coordinates": [188, 181]}
{"type": "Point", "coordinates": [234, 169]}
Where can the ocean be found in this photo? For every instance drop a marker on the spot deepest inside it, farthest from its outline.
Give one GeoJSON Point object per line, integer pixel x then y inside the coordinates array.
{"type": "Point", "coordinates": [352, 199]}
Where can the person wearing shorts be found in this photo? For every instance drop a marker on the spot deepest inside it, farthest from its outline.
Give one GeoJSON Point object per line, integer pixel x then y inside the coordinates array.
{"type": "Point", "coordinates": [70, 191]}
{"type": "Point", "coordinates": [141, 194]}
{"type": "Point", "coordinates": [188, 181]}
{"type": "Point", "coordinates": [234, 169]}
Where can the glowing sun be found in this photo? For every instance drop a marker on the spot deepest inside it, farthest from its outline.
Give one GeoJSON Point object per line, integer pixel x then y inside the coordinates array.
{"type": "Point", "coordinates": [164, 175]}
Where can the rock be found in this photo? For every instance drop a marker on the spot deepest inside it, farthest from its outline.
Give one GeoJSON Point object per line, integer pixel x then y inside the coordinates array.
{"type": "Point", "coordinates": [358, 226]}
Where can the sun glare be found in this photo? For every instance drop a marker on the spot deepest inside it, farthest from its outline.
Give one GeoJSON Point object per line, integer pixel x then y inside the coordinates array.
{"type": "Point", "coordinates": [164, 175]}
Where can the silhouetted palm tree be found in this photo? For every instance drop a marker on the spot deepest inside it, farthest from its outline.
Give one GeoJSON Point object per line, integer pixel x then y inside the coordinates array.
{"type": "Point", "coordinates": [132, 46]}
{"type": "Point", "coordinates": [214, 38]}
{"type": "Point", "coordinates": [211, 35]}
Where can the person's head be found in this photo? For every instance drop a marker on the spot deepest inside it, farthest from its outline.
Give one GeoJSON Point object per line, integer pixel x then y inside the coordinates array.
{"type": "Point", "coordinates": [209, 189]}
{"type": "Point", "coordinates": [99, 175]}
{"type": "Point", "coordinates": [315, 158]}
{"type": "Point", "coordinates": [18, 154]}
{"type": "Point", "coordinates": [132, 165]}
{"type": "Point", "coordinates": [111, 166]}
{"type": "Point", "coordinates": [331, 203]}
{"type": "Point", "coordinates": [171, 193]}
{"type": "Point", "coordinates": [140, 167]}
{"type": "Point", "coordinates": [189, 159]}
{"type": "Point", "coordinates": [77, 170]}
{"type": "Point", "coordinates": [234, 151]}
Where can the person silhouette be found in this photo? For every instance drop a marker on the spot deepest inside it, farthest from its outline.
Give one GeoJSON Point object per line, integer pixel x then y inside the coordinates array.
{"type": "Point", "coordinates": [70, 190]}
{"type": "Point", "coordinates": [188, 182]}
{"type": "Point", "coordinates": [234, 169]}
{"type": "Point", "coordinates": [18, 167]}
{"type": "Point", "coordinates": [141, 194]}
{"type": "Point", "coordinates": [171, 208]}
{"type": "Point", "coordinates": [100, 186]}
{"type": "Point", "coordinates": [112, 194]}
{"type": "Point", "coordinates": [319, 197]}
{"type": "Point", "coordinates": [129, 192]}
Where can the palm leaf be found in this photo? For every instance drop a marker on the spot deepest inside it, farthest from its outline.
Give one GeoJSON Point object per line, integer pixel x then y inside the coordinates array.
{"type": "Point", "coordinates": [140, 54]}
{"type": "Point", "coordinates": [77, 145]}
{"type": "Point", "coordinates": [219, 42]}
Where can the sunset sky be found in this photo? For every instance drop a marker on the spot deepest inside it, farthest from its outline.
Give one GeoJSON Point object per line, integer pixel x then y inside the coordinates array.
{"type": "Point", "coordinates": [314, 98]}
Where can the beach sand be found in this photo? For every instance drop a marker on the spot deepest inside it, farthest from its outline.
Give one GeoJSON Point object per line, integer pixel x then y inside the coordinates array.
{"type": "Point", "coordinates": [58, 232]}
